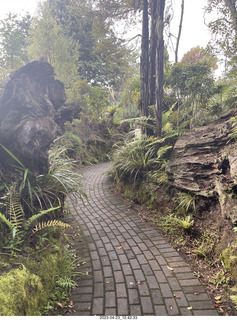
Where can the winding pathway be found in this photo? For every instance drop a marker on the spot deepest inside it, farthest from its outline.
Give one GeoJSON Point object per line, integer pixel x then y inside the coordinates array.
{"type": "Point", "coordinates": [132, 270]}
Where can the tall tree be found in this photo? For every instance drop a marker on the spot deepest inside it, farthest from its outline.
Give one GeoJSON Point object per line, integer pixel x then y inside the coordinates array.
{"type": "Point", "coordinates": [144, 66]}
{"type": "Point", "coordinates": [104, 58]}
{"type": "Point", "coordinates": [152, 53]}
{"type": "Point", "coordinates": [13, 34]}
{"type": "Point", "coordinates": [48, 40]}
{"type": "Point", "coordinates": [152, 61]}
{"type": "Point", "coordinates": [179, 33]}
{"type": "Point", "coordinates": [225, 26]}
{"type": "Point", "coordinates": [200, 54]}
{"type": "Point", "coordinates": [159, 66]}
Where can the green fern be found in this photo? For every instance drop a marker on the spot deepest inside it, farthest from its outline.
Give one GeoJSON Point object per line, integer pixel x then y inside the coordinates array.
{"type": "Point", "coordinates": [48, 224]}
{"type": "Point", "coordinates": [39, 215]}
{"type": "Point", "coordinates": [186, 223]}
{"type": "Point", "coordinates": [66, 283]}
{"type": "Point", "coordinates": [6, 221]}
{"type": "Point", "coordinates": [14, 209]}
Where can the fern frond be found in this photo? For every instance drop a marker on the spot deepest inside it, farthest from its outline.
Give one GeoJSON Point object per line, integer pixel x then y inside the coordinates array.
{"type": "Point", "coordinates": [51, 223]}
{"type": "Point", "coordinates": [14, 208]}
{"type": "Point", "coordinates": [39, 215]}
{"type": "Point", "coordinates": [6, 221]}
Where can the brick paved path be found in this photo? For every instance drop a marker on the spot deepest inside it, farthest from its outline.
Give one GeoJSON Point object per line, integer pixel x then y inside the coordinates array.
{"type": "Point", "coordinates": [132, 269]}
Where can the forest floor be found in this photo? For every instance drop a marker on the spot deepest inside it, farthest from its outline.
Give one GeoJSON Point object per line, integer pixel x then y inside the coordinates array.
{"type": "Point", "coordinates": [209, 271]}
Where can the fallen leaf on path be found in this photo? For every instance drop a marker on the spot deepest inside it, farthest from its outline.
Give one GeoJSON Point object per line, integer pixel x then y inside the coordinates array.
{"type": "Point", "coordinates": [70, 304]}
{"type": "Point", "coordinates": [83, 263]}
{"type": "Point", "coordinates": [170, 268]}
{"type": "Point", "coordinates": [139, 282]}
{"type": "Point", "coordinates": [218, 298]}
{"type": "Point", "coordinates": [176, 296]}
{"type": "Point", "coordinates": [189, 308]}
{"type": "Point", "coordinates": [107, 282]}
{"type": "Point", "coordinates": [196, 293]}
{"type": "Point", "coordinates": [119, 247]}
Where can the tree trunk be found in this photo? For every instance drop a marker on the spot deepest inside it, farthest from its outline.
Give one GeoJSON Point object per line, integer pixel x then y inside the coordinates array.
{"type": "Point", "coordinates": [159, 65]}
{"type": "Point", "coordinates": [152, 61]}
{"type": "Point", "coordinates": [231, 5]}
{"type": "Point", "coordinates": [179, 34]}
{"type": "Point", "coordinates": [144, 69]}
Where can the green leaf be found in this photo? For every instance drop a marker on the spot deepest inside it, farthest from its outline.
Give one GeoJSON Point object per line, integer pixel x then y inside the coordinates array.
{"type": "Point", "coordinates": [12, 155]}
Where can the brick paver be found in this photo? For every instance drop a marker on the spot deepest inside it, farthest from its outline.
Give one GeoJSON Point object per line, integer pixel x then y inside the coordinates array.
{"type": "Point", "coordinates": [131, 268]}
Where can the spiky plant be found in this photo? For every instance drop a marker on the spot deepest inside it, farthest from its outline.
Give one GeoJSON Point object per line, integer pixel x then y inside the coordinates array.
{"type": "Point", "coordinates": [48, 190]}
{"type": "Point", "coordinates": [187, 201]}
{"type": "Point", "coordinates": [134, 159]}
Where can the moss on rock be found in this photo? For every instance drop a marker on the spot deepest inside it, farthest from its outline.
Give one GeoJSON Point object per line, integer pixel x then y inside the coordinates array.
{"type": "Point", "coordinates": [229, 258]}
{"type": "Point", "coordinates": [25, 291]}
{"type": "Point", "coordinates": [20, 293]}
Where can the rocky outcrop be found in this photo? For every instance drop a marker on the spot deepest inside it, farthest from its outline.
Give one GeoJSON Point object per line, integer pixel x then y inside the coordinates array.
{"type": "Point", "coordinates": [204, 162]}
{"type": "Point", "coordinates": [29, 109]}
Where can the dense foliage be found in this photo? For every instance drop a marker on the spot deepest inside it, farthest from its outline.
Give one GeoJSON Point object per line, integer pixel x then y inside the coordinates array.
{"type": "Point", "coordinates": [112, 107]}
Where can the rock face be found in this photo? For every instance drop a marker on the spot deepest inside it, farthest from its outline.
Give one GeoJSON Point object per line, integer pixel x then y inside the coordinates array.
{"type": "Point", "coordinates": [29, 108]}
{"type": "Point", "coordinates": [204, 163]}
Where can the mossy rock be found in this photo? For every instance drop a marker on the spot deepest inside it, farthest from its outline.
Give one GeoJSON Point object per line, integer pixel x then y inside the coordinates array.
{"type": "Point", "coordinates": [229, 258]}
{"type": "Point", "coordinates": [21, 292]}
{"type": "Point", "coordinates": [25, 292]}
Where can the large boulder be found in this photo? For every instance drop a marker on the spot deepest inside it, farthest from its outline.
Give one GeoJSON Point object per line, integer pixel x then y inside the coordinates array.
{"type": "Point", "coordinates": [29, 109]}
